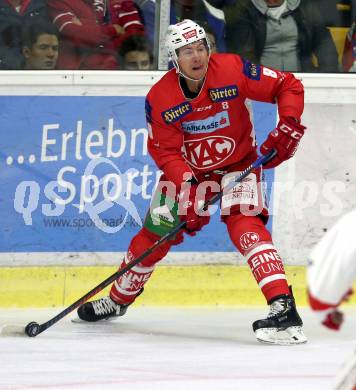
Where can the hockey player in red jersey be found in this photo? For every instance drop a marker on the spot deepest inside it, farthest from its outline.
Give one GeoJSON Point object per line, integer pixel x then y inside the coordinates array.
{"type": "Point", "coordinates": [332, 271]}
{"type": "Point", "coordinates": [201, 137]}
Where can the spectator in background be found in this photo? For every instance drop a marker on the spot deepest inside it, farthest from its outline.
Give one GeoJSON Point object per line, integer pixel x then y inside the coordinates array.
{"type": "Point", "coordinates": [202, 11]}
{"type": "Point", "coordinates": [14, 15]}
{"type": "Point", "coordinates": [135, 54]}
{"type": "Point", "coordinates": [329, 14]}
{"type": "Point", "coordinates": [92, 30]}
{"type": "Point", "coordinates": [40, 46]}
{"type": "Point", "coordinates": [211, 38]}
{"type": "Point", "coordinates": [349, 54]}
{"type": "Point", "coordinates": [281, 34]}
{"type": "Point", "coordinates": [126, 14]}
{"type": "Point", "coordinates": [147, 10]}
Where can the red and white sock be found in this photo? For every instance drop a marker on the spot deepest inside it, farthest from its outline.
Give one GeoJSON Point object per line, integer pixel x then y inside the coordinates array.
{"type": "Point", "coordinates": [128, 286]}
{"type": "Point", "coordinates": [268, 270]}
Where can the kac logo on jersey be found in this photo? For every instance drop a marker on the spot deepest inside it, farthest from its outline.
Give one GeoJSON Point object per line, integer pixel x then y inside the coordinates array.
{"type": "Point", "coordinates": [224, 93]}
{"type": "Point", "coordinates": [175, 113]}
{"type": "Point", "coordinates": [208, 152]}
{"type": "Point", "coordinates": [208, 125]}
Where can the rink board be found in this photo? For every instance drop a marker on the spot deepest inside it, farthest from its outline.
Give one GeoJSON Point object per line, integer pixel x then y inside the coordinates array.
{"type": "Point", "coordinates": [205, 285]}
{"type": "Point", "coordinates": [169, 285]}
{"type": "Point", "coordinates": [77, 176]}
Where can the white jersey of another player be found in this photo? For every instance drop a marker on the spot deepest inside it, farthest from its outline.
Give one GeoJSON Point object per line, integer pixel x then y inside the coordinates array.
{"type": "Point", "coordinates": [332, 270]}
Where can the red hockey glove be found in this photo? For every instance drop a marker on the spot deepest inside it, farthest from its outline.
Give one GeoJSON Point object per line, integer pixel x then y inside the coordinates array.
{"type": "Point", "coordinates": [334, 320]}
{"type": "Point", "coordinates": [284, 139]}
{"type": "Point", "coordinates": [189, 203]}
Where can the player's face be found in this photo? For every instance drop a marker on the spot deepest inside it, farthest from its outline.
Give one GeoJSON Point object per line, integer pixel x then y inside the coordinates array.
{"type": "Point", "coordinates": [193, 60]}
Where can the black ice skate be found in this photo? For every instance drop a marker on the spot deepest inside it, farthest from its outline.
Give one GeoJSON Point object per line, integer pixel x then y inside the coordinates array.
{"type": "Point", "coordinates": [283, 325]}
{"type": "Point", "coordinates": [101, 309]}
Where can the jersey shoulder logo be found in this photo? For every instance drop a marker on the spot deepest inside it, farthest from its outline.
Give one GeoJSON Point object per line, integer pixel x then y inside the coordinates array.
{"type": "Point", "coordinates": [208, 152]}
{"type": "Point", "coordinates": [223, 93]}
{"type": "Point", "coordinates": [252, 71]}
{"type": "Point", "coordinates": [177, 112]}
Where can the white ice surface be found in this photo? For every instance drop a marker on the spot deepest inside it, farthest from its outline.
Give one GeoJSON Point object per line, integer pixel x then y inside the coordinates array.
{"type": "Point", "coordinates": [170, 349]}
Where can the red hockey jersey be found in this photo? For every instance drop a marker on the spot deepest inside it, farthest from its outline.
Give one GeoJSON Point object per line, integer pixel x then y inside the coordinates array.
{"type": "Point", "coordinates": [214, 130]}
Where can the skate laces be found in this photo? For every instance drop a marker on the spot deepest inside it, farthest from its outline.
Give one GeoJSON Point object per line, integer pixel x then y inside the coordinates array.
{"type": "Point", "coordinates": [104, 306]}
{"type": "Point", "coordinates": [277, 307]}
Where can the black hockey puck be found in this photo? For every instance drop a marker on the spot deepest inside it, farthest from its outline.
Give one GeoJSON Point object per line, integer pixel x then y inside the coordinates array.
{"type": "Point", "coordinates": [32, 329]}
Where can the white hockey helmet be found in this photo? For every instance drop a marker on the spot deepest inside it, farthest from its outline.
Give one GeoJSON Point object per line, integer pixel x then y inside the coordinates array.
{"type": "Point", "coordinates": [183, 33]}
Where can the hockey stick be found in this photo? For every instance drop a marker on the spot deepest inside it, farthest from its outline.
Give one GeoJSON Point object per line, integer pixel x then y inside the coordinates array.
{"type": "Point", "coordinates": [33, 328]}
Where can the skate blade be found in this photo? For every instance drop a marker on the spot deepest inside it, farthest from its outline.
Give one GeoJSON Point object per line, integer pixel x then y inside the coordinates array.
{"type": "Point", "coordinates": [290, 336]}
